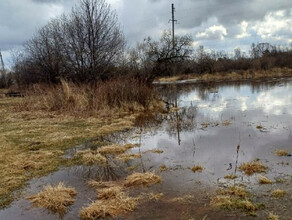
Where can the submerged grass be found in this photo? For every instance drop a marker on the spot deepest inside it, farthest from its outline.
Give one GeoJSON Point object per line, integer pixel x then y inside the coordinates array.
{"type": "Point", "coordinates": [128, 157]}
{"type": "Point", "coordinates": [142, 179]}
{"type": "Point", "coordinates": [54, 198]}
{"type": "Point", "coordinates": [197, 168]}
{"type": "Point", "coordinates": [264, 180]}
{"type": "Point", "coordinates": [273, 216]}
{"type": "Point", "coordinates": [281, 153]}
{"type": "Point", "coordinates": [114, 206]}
{"type": "Point", "coordinates": [230, 176]}
{"type": "Point", "coordinates": [250, 168]}
{"type": "Point", "coordinates": [235, 198]}
{"type": "Point", "coordinates": [278, 193]}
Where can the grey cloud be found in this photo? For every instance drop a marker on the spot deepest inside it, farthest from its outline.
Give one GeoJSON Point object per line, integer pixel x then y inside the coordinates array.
{"type": "Point", "coordinates": [20, 18]}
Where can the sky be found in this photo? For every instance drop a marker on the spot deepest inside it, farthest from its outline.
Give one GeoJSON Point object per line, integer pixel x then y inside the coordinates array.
{"type": "Point", "coordinates": [216, 24]}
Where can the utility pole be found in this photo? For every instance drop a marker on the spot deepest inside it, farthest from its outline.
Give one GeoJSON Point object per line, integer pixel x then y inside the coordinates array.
{"type": "Point", "coordinates": [173, 20]}
{"type": "Point", "coordinates": [2, 63]}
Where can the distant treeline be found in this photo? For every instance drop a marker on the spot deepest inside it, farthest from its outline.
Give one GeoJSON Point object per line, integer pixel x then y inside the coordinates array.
{"type": "Point", "coordinates": [87, 46]}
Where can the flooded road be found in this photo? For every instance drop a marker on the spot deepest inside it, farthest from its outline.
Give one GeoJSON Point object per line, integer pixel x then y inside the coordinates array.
{"type": "Point", "coordinates": [214, 126]}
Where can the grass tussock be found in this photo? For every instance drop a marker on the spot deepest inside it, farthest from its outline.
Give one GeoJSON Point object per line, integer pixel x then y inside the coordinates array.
{"type": "Point", "coordinates": [259, 127]}
{"type": "Point", "coordinates": [91, 158]}
{"type": "Point", "coordinates": [253, 167]}
{"type": "Point", "coordinates": [278, 193]}
{"type": "Point", "coordinates": [54, 198]}
{"type": "Point", "coordinates": [272, 216]}
{"type": "Point", "coordinates": [163, 168]}
{"type": "Point", "coordinates": [120, 204]}
{"type": "Point", "coordinates": [281, 153]}
{"type": "Point", "coordinates": [101, 184]}
{"type": "Point", "coordinates": [235, 198]}
{"type": "Point", "coordinates": [114, 149]}
{"type": "Point", "coordinates": [108, 193]}
{"type": "Point", "coordinates": [128, 157]}
{"type": "Point", "coordinates": [155, 151]}
{"type": "Point", "coordinates": [197, 168]}
{"type": "Point", "coordinates": [238, 191]}
{"type": "Point", "coordinates": [142, 179]}
{"type": "Point", "coordinates": [264, 180]}
{"type": "Point", "coordinates": [230, 176]}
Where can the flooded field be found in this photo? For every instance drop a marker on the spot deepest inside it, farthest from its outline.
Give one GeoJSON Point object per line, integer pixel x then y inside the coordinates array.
{"type": "Point", "coordinates": [197, 148]}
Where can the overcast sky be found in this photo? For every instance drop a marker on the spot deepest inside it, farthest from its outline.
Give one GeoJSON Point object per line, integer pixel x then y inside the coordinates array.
{"type": "Point", "coordinates": [216, 24]}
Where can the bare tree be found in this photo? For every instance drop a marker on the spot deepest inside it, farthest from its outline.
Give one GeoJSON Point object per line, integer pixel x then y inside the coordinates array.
{"type": "Point", "coordinates": [81, 46]}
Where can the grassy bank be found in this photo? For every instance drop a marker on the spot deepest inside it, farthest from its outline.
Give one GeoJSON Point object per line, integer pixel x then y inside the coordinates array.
{"type": "Point", "coordinates": [36, 130]}
{"type": "Point", "coordinates": [231, 76]}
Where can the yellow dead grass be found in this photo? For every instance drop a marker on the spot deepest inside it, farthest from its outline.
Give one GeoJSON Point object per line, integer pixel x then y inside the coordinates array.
{"type": "Point", "coordinates": [114, 206]}
{"type": "Point", "coordinates": [253, 167]}
{"type": "Point", "coordinates": [91, 158]}
{"type": "Point", "coordinates": [107, 193]}
{"type": "Point", "coordinates": [101, 184]}
{"type": "Point", "coordinates": [32, 142]}
{"type": "Point", "coordinates": [281, 153]}
{"type": "Point", "coordinates": [264, 180]}
{"type": "Point", "coordinates": [197, 168]}
{"type": "Point", "coordinates": [273, 217]}
{"type": "Point", "coordinates": [278, 193]}
{"type": "Point", "coordinates": [54, 198]}
{"type": "Point", "coordinates": [230, 176]}
{"type": "Point", "coordinates": [144, 179]}
{"type": "Point", "coordinates": [127, 157]}
{"type": "Point", "coordinates": [115, 149]}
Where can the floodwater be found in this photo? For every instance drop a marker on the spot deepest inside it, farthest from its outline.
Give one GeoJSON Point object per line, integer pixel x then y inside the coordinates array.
{"type": "Point", "coordinates": [215, 125]}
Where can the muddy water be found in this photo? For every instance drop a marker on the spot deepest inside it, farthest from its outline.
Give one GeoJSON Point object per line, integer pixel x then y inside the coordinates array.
{"type": "Point", "coordinates": [216, 126]}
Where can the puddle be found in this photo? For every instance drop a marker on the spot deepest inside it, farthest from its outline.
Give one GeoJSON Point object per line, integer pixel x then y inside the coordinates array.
{"type": "Point", "coordinates": [217, 126]}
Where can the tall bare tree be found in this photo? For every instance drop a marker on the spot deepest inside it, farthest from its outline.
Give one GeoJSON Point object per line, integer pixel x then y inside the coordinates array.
{"type": "Point", "coordinates": [81, 46]}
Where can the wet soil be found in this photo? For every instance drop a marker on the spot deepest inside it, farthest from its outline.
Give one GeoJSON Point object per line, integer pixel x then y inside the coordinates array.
{"type": "Point", "coordinates": [215, 125]}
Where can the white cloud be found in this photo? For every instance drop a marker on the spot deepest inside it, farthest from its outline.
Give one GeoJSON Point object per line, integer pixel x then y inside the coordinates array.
{"type": "Point", "coordinates": [213, 32]}
{"type": "Point", "coordinates": [244, 32]}
{"type": "Point", "coordinates": [275, 25]}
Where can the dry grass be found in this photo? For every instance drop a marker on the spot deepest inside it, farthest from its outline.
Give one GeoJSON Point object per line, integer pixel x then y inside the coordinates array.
{"type": "Point", "coordinates": [155, 196]}
{"type": "Point", "coordinates": [226, 123]}
{"type": "Point", "coordinates": [115, 149]}
{"type": "Point", "coordinates": [163, 168]}
{"type": "Point", "coordinates": [235, 198]}
{"type": "Point", "coordinates": [91, 158]}
{"type": "Point", "coordinates": [56, 199]}
{"type": "Point", "coordinates": [232, 76]}
{"type": "Point", "coordinates": [259, 127]}
{"type": "Point", "coordinates": [264, 180]}
{"type": "Point", "coordinates": [234, 191]}
{"type": "Point", "coordinates": [230, 176]}
{"type": "Point", "coordinates": [155, 151]}
{"type": "Point", "coordinates": [128, 157]}
{"type": "Point", "coordinates": [144, 179]}
{"type": "Point", "coordinates": [108, 193]}
{"type": "Point", "coordinates": [197, 168]}
{"type": "Point", "coordinates": [278, 193]}
{"type": "Point", "coordinates": [231, 203]}
{"type": "Point", "coordinates": [120, 204]}
{"type": "Point", "coordinates": [119, 94]}
{"type": "Point", "coordinates": [281, 153]}
{"type": "Point", "coordinates": [253, 167]}
{"type": "Point", "coordinates": [273, 217]}
{"type": "Point", "coordinates": [101, 184]}
{"type": "Point", "coordinates": [34, 136]}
